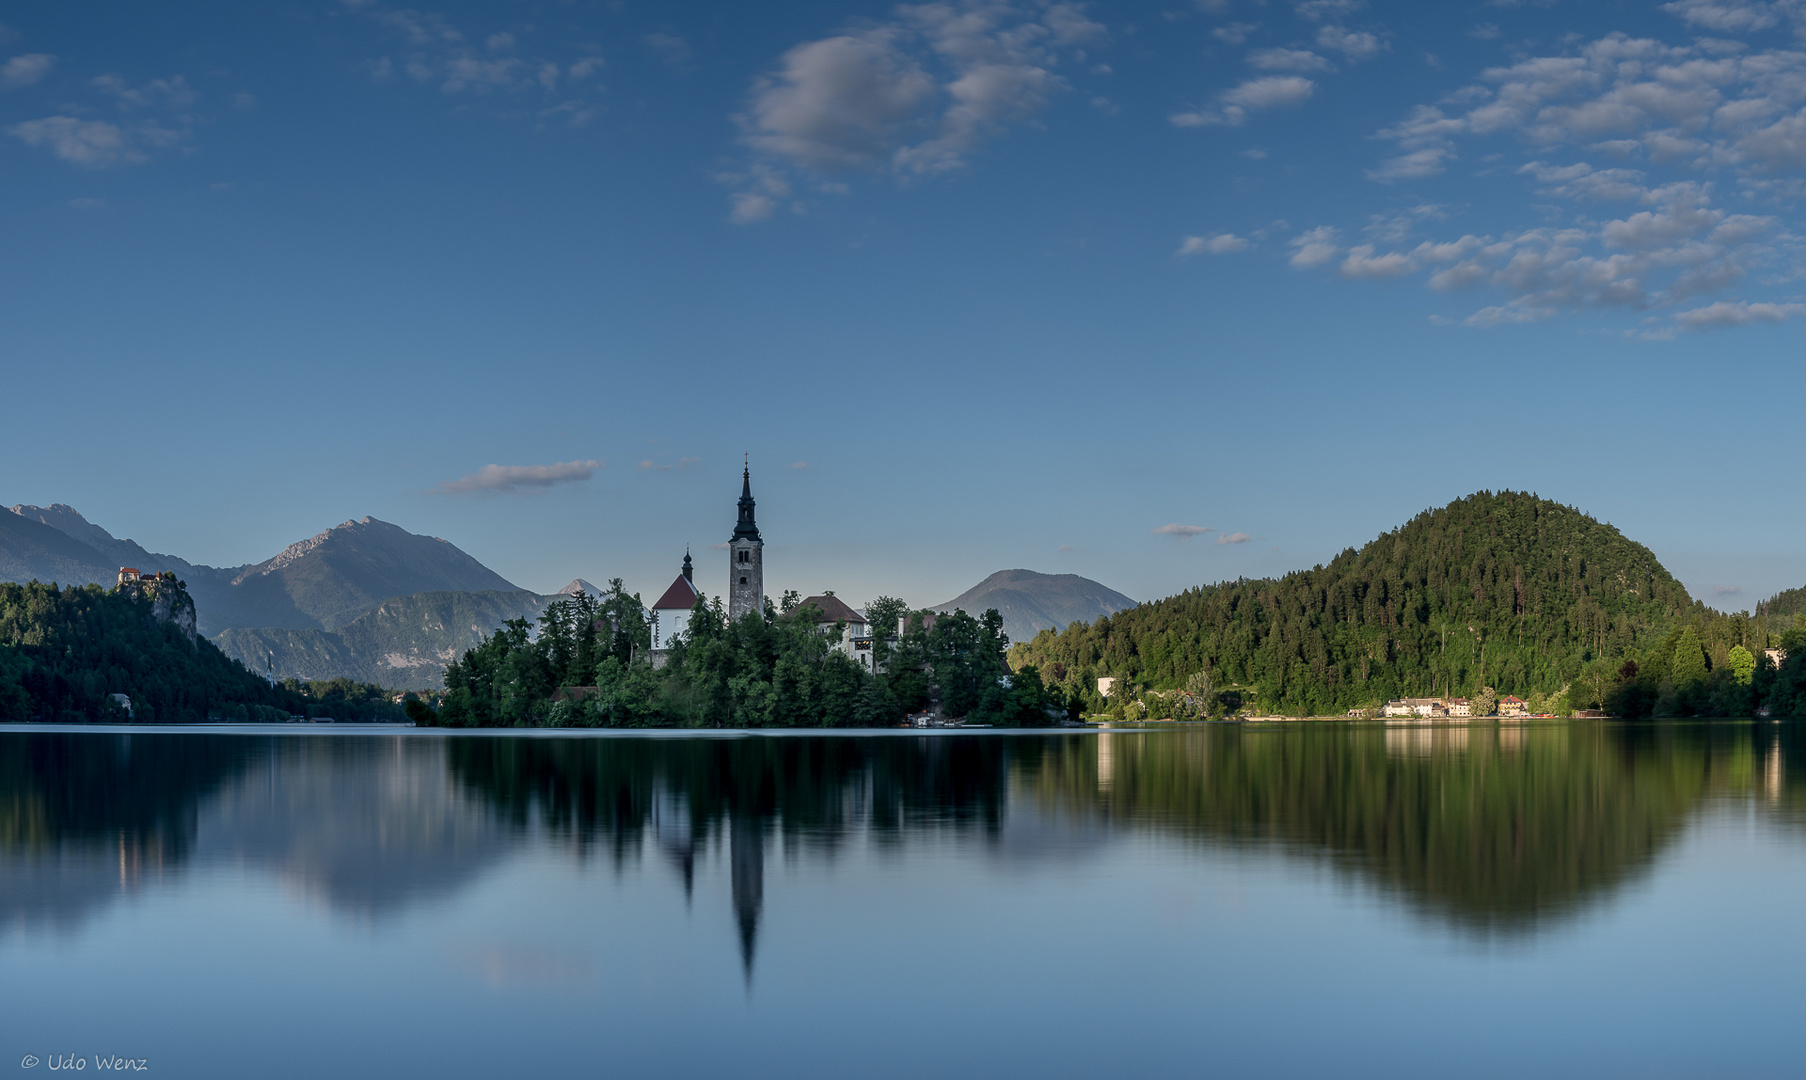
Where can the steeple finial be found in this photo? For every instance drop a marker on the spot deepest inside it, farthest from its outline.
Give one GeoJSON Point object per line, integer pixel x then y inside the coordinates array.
{"type": "Point", "coordinates": [746, 528]}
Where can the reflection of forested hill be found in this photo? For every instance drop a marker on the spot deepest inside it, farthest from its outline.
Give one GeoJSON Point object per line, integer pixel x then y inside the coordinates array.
{"type": "Point", "coordinates": [83, 817]}
{"type": "Point", "coordinates": [368, 825]}
{"type": "Point", "coordinates": [1495, 827]}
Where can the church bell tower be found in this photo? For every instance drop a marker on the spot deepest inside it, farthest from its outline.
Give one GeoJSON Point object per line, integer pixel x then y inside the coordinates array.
{"type": "Point", "coordinates": [746, 562]}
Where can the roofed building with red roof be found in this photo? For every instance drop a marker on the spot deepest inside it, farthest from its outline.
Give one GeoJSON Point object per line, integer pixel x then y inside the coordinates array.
{"type": "Point", "coordinates": [671, 612]}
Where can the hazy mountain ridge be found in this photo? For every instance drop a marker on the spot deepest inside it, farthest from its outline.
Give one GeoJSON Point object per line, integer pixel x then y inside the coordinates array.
{"type": "Point", "coordinates": [32, 550]}
{"type": "Point", "coordinates": [319, 583]}
{"type": "Point", "coordinates": [328, 580]}
{"type": "Point", "coordinates": [1031, 602]}
{"type": "Point", "coordinates": [404, 642]}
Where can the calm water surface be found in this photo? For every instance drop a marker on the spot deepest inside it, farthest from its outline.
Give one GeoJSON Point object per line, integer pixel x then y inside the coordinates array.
{"type": "Point", "coordinates": [1545, 899]}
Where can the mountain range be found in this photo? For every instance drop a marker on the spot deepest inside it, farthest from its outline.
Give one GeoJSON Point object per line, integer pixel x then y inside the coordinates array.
{"type": "Point", "coordinates": [319, 583]}
{"type": "Point", "coordinates": [370, 601]}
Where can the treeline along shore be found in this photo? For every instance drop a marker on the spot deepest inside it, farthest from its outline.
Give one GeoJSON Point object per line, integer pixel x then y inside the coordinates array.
{"type": "Point", "coordinates": [1495, 596]}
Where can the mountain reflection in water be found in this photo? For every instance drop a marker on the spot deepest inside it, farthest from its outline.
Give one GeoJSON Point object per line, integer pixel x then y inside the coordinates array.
{"type": "Point", "coordinates": [1489, 828]}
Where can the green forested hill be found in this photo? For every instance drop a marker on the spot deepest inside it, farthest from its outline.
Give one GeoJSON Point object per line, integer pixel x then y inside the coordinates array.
{"type": "Point", "coordinates": [1504, 590]}
{"type": "Point", "coordinates": [64, 650]}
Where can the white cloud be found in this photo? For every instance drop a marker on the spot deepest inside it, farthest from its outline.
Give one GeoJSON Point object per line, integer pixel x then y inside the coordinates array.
{"type": "Point", "coordinates": [1733, 17]}
{"type": "Point", "coordinates": [1234, 538]}
{"type": "Point", "coordinates": [1301, 60]}
{"type": "Point", "coordinates": [1183, 532]}
{"type": "Point", "coordinates": [1363, 263]}
{"type": "Point", "coordinates": [1314, 248]}
{"type": "Point", "coordinates": [1354, 44]}
{"type": "Point", "coordinates": [748, 207]}
{"type": "Point", "coordinates": [1266, 92]}
{"type": "Point", "coordinates": [173, 92]}
{"type": "Point", "coordinates": [441, 55]}
{"type": "Point", "coordinates": [916, 95]}
{"type": "Point", "coordinates": [1219, 244]}
{"type": "Point", "coordinates": [25, 70]}
{"type": "Point", "coordinates": [1415, 165]}
{"type": "Point", "coordinates": [1736, 313]}
{"type": "Point", "coordinates": [504, 479]}
{"type": "Point", "coordinates": [94, 143]}
{"type": "Point", "coordinates": [1681, 122]}
{"type": "Point", "coordinates": [1271, 92]}
{"type": "Point", "coordinates": [471, 73]}
{"type": "Point", "coordinates": [1234, 33]}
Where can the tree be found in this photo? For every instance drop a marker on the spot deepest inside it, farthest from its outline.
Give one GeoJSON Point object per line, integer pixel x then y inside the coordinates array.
{"type": "Point", "coordinates": [1742, 664]}
{"type": "Point", "coordinates": [1687, 671]}
{"type": "Point", "coordinates": [881, 617]}
{"type": "Point", "coordinates": [1484, 702]}
{"type": "Point", "coordinates": [1201, 694]}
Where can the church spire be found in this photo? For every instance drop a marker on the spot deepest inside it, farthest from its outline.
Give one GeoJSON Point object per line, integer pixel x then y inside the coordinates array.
{"type": "Point", "coordinates": [746, 528]}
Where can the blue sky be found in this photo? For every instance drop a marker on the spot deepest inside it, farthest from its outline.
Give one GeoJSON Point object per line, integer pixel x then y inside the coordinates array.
{"type": "Point", "coordinates": [1158, 294]}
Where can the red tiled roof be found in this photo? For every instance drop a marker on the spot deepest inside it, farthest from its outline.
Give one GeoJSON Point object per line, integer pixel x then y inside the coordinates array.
{"type": "Point", "coordinates": [681, 596]}
{"type": "Point", "coordinates": [834, 609]}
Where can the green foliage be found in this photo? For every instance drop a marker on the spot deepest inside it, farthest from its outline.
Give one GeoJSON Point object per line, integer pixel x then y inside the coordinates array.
{"type": "Point", "coordinates": [64, 651]}
{"type": "Point", "coordinates": [1742, 665]}
{"type": "Point", "coordinates": [1504, 590]}
{"type": "Point", "coordinates": [1687, 668]}
{"type": "Point", "coordinates": [765, 670]}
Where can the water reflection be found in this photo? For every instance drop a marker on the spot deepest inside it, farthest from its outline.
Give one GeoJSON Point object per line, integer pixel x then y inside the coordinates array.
{"type": "Point", "coordinates": [1491, 829]}
{"type": "Point", "coordinates": [692, 795]}
{"type": "Point", "coordinates": [364, 825]}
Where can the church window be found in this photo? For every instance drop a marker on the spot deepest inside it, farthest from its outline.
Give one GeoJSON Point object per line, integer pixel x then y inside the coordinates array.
{"type": "Point", "coordinates": [743, 556]}
{"type": "Point", "coordinates": [742, 579]}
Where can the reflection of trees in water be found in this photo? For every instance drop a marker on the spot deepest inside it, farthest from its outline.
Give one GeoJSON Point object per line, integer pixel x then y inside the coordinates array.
{"type": "Point", "coordinates": [1494, 826]}
{"type": "Point", "coordinates": [84, 817]}
{"type": "Point", "coordinates": [687, 794]}
{"type": "Point", "coordinates": [366, 824]}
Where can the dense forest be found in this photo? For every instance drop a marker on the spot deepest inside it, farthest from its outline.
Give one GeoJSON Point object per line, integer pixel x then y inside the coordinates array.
{"type": "Point", "coordinates": [1493, 594]}
{"type": "Point", "coordinates": [65, 651]}
{"type": "Point", "coordinates": [586, 667]}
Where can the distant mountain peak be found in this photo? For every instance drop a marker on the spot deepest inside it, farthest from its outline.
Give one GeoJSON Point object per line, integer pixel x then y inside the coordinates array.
{"type": "Point", "coordinates": [579, 587]}
{"type": "Point", "coordinates": [1031, 601]}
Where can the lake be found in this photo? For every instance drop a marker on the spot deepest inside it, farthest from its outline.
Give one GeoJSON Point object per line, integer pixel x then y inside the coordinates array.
{"type": "Point", "coordinates": [1581, 899]}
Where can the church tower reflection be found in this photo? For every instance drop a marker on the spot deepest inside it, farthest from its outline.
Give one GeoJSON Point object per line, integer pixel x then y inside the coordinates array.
{"type": "Point", "coordinates": [746, 859]}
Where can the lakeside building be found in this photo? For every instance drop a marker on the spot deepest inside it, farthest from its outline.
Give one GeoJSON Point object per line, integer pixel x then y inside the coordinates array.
{"type": "Point", "coordinates": [855, 641]}
{"type": "Point", "coordinates": [1775, 656]}
{"type": "Point", "coordinates": [1429, 708]}
{"type": "Point", "coordinates": [1513, 706]}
